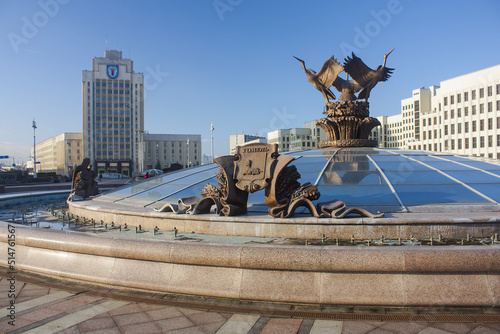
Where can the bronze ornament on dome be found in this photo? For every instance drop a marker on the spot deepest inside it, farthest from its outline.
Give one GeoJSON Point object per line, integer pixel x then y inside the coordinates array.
{"type": "Point", "coordinates": [259, 167]}
{"type": "Point", "coordinates": [348, 123]}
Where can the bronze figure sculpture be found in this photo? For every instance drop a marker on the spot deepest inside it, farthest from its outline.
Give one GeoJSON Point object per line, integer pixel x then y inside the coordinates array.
{"type": "Point", "coordinates": [83, 182]}
{"type": "Point", "coordinates": [324, 79]}
{"type": "Point", "coordinates": [347, 121]}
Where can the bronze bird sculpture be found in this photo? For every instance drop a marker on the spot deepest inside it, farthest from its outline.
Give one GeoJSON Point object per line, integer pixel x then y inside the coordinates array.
{"type": "Point", "coordinates": [365, 76]}
{"type": "Point", "coordinates": [324, 79]}
{"type": "Point", "coordinates": [347, 88]}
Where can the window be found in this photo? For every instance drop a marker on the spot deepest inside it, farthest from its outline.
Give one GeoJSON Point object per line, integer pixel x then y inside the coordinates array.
{"type": "Point", "coordinates": [481, 125]}
{"type": "Point", "coordinates": [459, 128]}
{"type": "Point", "coordinates": [490, 123]}
{"type": "Point", "coordinates": [481, 141]}
{"type": "Point", "coordinates": [490, 141]}
{"type": "Point", "coordinates": [490, 106]}
{"type": "Point", "coordinates": [430, 134]}
{"type": "Point", "coordinates": [423, 122]}
{"type": "Point", "coordinates": [466, 141]}
{"type": "Point", "coordinates": [473, 110]}
{"type": "Point", "coordinates": [459, 98]}
{"type": "Point", "coordinates": [498, 105]}
{"type": "Point", "coordinates": [481, 108]}
{"type": "Point", "coordinates": [459, 112]}
{"type": "Point", "coordinates": [446, 114]}
{"type": "Point", "coordinates": [445, 102]}
{"type": "Point", "coordinates": [452, 114]}
{"type": "Point", "coordinates": [466, 96]}
{"type": "Point", "coordinates": [466, 111]}
{"type": "Point", "coordinates": [490, 90]}
{"type": "Point", "coordinates": [473, 94]}
{"type": "Point", "coordinates": [452, 129]}
{"type": "Point", "coordinates": [474, 128]}
{"type": "Point", "coordinates": [474, 142]}
{"type": "Point", "coordinates": [481, 93]}
{"type": "Point", "coordinates": [446, 130]}
{"type": "Point", "coordinates": [459, 142]}
{"type": "Point", "coordinates": [452, 99]}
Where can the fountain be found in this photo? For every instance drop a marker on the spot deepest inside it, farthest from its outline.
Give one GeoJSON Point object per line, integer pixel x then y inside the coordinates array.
{"type": "Point", "coordinates": [392, 228]}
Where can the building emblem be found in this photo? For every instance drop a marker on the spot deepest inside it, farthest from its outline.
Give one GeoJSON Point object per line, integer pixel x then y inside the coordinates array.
{"type": "Point", "coordinates": [112, 71]}
{"type": "Point", "coordinates": [252, 169]}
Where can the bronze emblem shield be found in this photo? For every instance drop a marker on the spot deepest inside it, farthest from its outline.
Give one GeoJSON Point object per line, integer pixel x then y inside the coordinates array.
{"type": "Point", "coordinates": [253, 168]}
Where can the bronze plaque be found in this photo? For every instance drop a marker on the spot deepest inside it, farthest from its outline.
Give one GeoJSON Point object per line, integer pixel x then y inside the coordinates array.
{"type": "Point", "coordinates": [252, 170]}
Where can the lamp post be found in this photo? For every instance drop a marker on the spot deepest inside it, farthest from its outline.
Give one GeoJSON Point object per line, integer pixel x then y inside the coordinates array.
{"type": "Point", "coordinates": [212, 140]}
{"type": "Point", "coordinates": [188, 153]}
{"type": "Point", "coordinates": [141, 149]}
{"type": "Point", "coordinates": [34, 148]}
{"type": "Point", "coordinates": [67, 156]}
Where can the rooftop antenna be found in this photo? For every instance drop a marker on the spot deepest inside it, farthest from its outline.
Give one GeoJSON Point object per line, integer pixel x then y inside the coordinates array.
{"type": "Point", "coordinates": [106, 47]}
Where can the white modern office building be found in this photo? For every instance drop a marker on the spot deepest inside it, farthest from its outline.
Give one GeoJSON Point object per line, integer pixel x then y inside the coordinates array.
{"type": "Point", "coordinates": [461, 115]}
{"type": "Point", "coordinates": [296, 139]}
{"type": "Point", "coordinates": [113, 113]}
{"type": "Point", "coordinates": [162, 150]}
{"type": "Point", "coordinates": [59, 154]}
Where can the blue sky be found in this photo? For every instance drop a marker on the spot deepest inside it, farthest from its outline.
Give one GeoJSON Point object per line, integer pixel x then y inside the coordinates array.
{"type": "Point", "coordinates": [226, 61]}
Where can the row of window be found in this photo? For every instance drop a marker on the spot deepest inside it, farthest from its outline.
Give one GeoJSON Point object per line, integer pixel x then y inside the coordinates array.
{"type": "Point", "coordinates": [112, 125]}
{"type": "Point", "coordinates": [111, 146]}
{"type": "Point", "coordinates": [110, 119]}
{"type": "Point", "coordinates": [112, 91]}
{"type": "Point", "coordinates": [110, 105]}
{"type": "Point", "coordinates": [489, 91]}
{"type": "Point", "coordinates": [111, 133]}
{"type": "Point", "coordinates": [112, 83]}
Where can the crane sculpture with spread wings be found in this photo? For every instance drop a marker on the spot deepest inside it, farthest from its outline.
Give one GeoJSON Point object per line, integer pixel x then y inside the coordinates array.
{"type": "Point", "coordinates": [365, 77]}
{"type": "Point", "coordinates": [348, 122]}
{"type": "Point", "coordinates": [324, 79]}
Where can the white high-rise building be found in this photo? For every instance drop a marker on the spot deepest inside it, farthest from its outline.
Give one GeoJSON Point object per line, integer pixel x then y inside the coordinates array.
{"type": "Point", "coordinates": [113, 113]}
{"type": "Point", "coordinates": [460, 116]}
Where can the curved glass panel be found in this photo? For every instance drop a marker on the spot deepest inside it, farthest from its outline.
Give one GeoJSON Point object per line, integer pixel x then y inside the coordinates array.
{"type": "Point", "coordinates": [359, 195]}
{"type": "Point", "coordinates": [418, 178]}
{"type": "Point", "coordinates": [437, 194]}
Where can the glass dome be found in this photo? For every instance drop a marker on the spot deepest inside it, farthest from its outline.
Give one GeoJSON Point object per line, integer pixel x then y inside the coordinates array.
{"type": "Point", "coordinates": [382, 180]}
